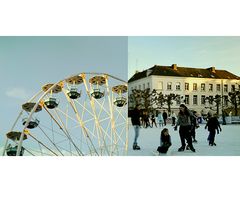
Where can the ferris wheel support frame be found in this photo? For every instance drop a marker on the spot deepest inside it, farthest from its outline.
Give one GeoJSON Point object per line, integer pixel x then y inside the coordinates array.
{"type": "Point", "coordinates": [19, 143]}
{"type": "Point", "coordinates": [94, 112]}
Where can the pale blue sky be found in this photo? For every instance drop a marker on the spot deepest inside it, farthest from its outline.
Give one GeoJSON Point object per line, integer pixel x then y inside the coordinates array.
{"type": "Point", "coordinates": [27, 63]}
{"type": "Point", "coordinates": [199, 52]}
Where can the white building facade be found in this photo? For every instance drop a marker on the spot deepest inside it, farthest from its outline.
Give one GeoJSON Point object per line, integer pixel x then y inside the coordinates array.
{"type": "Point", "coordinates": [192, 89]}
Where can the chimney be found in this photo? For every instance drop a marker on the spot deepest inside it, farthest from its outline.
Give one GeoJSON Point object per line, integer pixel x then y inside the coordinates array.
{"type": "Point", "coordinates": [174, 66]}
{"type": "Point", "coordinates": [212, 69]}
{"type": "Point", "coordinates": [148, 72]}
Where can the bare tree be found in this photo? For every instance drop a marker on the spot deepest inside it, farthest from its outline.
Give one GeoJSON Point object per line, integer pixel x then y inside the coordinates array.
{"type": "Point", "coordinates": [234, 97]}
{"type": "Point", "coordinates": [142, 97]}
{"type": "Point", "coordinates": [169, 98]}
{"type": "Point", "coordinates": [157, 99]}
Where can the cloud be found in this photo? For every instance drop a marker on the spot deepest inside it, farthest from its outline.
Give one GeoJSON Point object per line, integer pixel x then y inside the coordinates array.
{"type": "Point", "coordinates": [18, 93]}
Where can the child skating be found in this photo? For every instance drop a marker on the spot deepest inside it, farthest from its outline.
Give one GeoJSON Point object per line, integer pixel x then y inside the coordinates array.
{"type": "Point", "coordinates": [165, 142]}
{"type": "Point", "coordinates": [212, 126]}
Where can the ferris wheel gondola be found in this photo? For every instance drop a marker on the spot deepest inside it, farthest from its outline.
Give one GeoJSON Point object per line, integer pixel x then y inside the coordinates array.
{"type": "Point", "coordinates": [85, 114]}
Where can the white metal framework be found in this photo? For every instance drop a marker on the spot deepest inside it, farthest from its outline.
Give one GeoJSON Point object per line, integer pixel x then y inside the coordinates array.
{"type": "Point", "coordinates": [85, 114]}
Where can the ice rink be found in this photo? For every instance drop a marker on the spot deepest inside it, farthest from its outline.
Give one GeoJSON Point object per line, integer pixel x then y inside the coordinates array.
{"type": "Point", "coordinates": [228, 142]}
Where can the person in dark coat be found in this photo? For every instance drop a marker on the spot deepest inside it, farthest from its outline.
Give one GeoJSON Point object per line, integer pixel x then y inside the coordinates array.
{"type": "Point", "coordinates": [165, 116]}
{"type": "Point", "coordinates": [212, 126]}
{"type": "Point", "coordinates": [136, 124]}
{"type": "Point", "coordinates": [184, 121]}
{"type": "Point", "coordinates": [153, 120]}
{"type": "Point", "coordinates": [173, 118]}
{"type": "Point", "coordinates": [195, 125]}
{"type": "Point", "coordinates": [146, 120]}
{"type": "Point", "coordinates": [165, 141]}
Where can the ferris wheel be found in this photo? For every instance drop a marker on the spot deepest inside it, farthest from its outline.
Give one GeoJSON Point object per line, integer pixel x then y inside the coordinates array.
{"type": "Point", "coordinates": [82, 115]}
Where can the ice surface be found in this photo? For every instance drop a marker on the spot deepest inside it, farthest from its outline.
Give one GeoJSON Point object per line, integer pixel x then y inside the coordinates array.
{"type": "Point", "coordinates": [228, 142]}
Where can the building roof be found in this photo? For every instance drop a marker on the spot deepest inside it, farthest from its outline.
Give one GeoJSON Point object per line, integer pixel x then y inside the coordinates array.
{"type": "Point", "coordinates": [173, 70]}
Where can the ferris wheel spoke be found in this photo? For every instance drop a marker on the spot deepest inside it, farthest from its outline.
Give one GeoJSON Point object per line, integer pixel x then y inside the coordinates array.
{"type": "Point", "coordinates": [68, 135]}
{"type": "Point", "coordinates": [92, 103]}
{"type": "Point", "coordinates": [62, 128]}
{"type": "Point", "coordinates": [52, 142]}
{"type": "Point", "coordinates": [80, 120]}
{"type": "Point", "coordinates": [89, 111]}
{"type": "Point", "coordinates": [40, 149]}
{"type": "Point", "coordinates": [105, 110]}
{"type": "Point", "coordinates": [6, 140]}
{"type": "Point", "coordinates": [25, 149]}
{"type": "Point", "coordinates": [84, 107]}
{"type": "Point", "coordinates": [94, 114]}
{"type": "Point", "coordinates": [50, 129]}
{"type": "Point", "coordinates": [69, 117]}
{"type": "Point", "coordinates": [121, 114]}
{"type": "Point", "coordinates": [37, 152]}
{"type": "Point", "coordinates": [42, 144]}
{"type": "Point", "coordinates": [68, 151]}
{"type": "Point", "coordinates": [120, 124]}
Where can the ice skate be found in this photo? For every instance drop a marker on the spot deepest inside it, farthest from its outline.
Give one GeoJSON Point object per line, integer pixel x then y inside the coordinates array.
{"type": "Point", "coordinates": [192, 149]}
{"type": "Point", "coordinates": [136, 147]}
{"type": "Point", "coordinates": [181, 149]}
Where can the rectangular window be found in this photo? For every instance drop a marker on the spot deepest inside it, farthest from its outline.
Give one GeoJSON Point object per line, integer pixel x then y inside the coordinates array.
{"type": "Point", "coordinates": [233, 88]}
{"type": "Point", "coordinates": [203, 99]}
{"type": "Point", "coordinates": [195, 100]}
{"type": "Point", "coordinates": [143, 86]}
{"type": "Point", "coordinates": [210, 87]}
{"type": "Point", "coordinates": [225, 88]}
{"type": "Point", "coordinates": [148, 85]}
{"type": "Point", "coordinates": [169, 86]}
{"type": "Point", "coordinates": [210, 100]}
{"type": "Point", "coordinates": [186, 99]}
{"type": "Point", "coordinates": [202, 87]}
{"type": "Point", "coordinates": [218, 87]}
{"type": "Point", "coordinates": [160, 85]}
{"type": "Point", "coordinates": [178, 86]}
{"type": "Point", "coordinates": [194, 86]}
{"type": "Point", "coordinates": [187, 86]}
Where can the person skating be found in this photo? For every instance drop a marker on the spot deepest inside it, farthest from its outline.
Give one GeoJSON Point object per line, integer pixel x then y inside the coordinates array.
{"type": "Point", "coordinates": [173, 118]}
{"type": "Point", "coordinates": [184, 121]}
{"type": "Point", "coordinates": [160, 119]}
{"type": "Point", "coordinates": [212, 126]}
{"type": "Point", "coordinates": [153, 120]}
{"type": "Point", "coordinates": [165, 141]}
{"type": "Point", "coordinates": [146, 119]}
{"type": "Point", "coordinates": [195, 125]}
{"type": "Point", "coordinates": [165, 116]}
{"type": "Point", "coordinates": [136, 124]}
